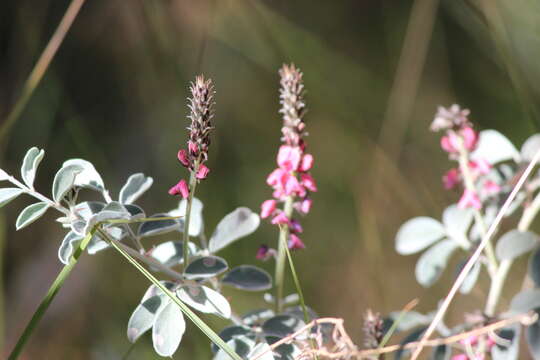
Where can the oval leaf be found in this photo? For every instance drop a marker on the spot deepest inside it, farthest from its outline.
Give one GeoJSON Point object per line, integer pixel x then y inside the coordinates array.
{"type": "Point", "coordinates": [231, 332]}
{"type": "Point", "coordinates": [412, 337]}
{"type": "Point", "coordinates": [30, 164]}
{"type": "Point", "coordinates": [525, 301]}
{"type": "Point", "coordinates": [530, 147]}
{"type": "Point", "coordinates": [143, 317]}
{"type": "Point", "coordinates": [88, 177]}
{"type": "Point", "coordinates": [494, 147]}
{"type": "Point", "coordinates": [64, 180]}
{"type": "Point", "coordinates": [433, 262]}
{"type": "Point", "coordinates": [171, 253]}
{"type": "Point", "coordinates": [282, 325]}
{"type": "Point", "coordinates": [241, 345]}
{"type": "Point", "coordinates": [441, 352]}
{"type": "Point", "coordinates": [470, 279]}
{"type": "Point", "coordinates": [417, 234]}
{"type": "Point", "coordinates": [8, 194]}
{"type": "Point", "coordinates": [206, 267]}
{"type": "Point", "coordinates": [169, 327]}
{"type": "Point", "coordinates": [205, 300]}
{"type": "Point", "coordinates": [534, 267]}
{"type": "Point", "coordinates": [68, 246]}
{"type": "Point", "coordinates": [196, 223]}
{"type": "Point", "coordinates": [241, 222]}
{"type": "Point", "coordinates": [30, 214]}
{"type": "Point", "coordinates": [257, 317]}
{"type": "Point", "coordinates": [248, 277]}
{"type": "Point", "coordinates": [259, 350]}
{"type": "Point", "coordinates": [511, 352]}
{"type": "Point", "coordinates": [532, 334]}
{"type": "Point", "coordinates": [457, 221]}
{"type": "Point", "coordinates": [136, 185]}
{"type": "Point", "coordinates": [158, 227]}
{"type": "Point", "coordinates": [515, 243]}
{"type": "Point", "coordinates": [3, 175]}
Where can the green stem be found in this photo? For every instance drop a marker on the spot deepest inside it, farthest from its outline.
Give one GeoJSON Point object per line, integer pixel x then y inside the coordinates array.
{"type": "Point", "coordinates": [185, 309]}
{"type": "Point", "coordinates": [499, 279]}
{"type": "Point", "coordinates": [53, 290]}
{"type": "Point", "coordinates": [192, 186]}
{"type": "Point", "coordinates": [282, 252]}
{"type": "Point", "coordinates": [297, 285]}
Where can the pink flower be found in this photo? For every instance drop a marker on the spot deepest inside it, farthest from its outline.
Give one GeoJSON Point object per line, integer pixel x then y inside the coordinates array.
{"type": "Point", "coordinates": [451, 179]}
{"type": "Point", "coordinates": [491, 187]}
{"type": "Point", "coordinates": [193, 148]}
{"type": "Point", "coordinates": [180, 189]}
{"type": "Point", "coordinates": [469, 199]}
{"type": "Point", "coordinates": [276, 177]}
{"type": "Point", "coordinates": [305, 206]}
{"type": "Point", "coordinates": [203, 171]}
{"type": "Point", "coordinates": [264, 253]}
{"type": "Point", "coordinates": [449, 143]}
{"type": "Point", "coordinates": [267, 208]}
{"type": "Point", "coordinates": [293, 187]}
{"type": "Point", "coordinates": [471, 340]}
{"type": "Point", "coordinates": [295, 243]}
{"type": "Point", "coordinates": [296, 227]}
{"type": "Point", "coordinates": [460, 357]}
{"type": "Point", "coordinates": [309, 182]}
{"type": "Point", "coordinates": [289, 157]}
{"type": "Point", "coordinates": [481, 166]}
{"type": "Point", "coordinates": [307, 163]}
{"type": "Point", "coordinates": [470, 138]}
{"type": "Point", "coordinates": [183, 157]}
{"type": "Point", "coordinates": [280, 219]}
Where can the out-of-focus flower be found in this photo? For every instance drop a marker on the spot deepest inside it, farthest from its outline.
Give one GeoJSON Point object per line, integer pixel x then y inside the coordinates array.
{"type": "Point", "coordinates": [451, 179]}
{"type": "Point", "coordinates": [448, 118]}
{"type": "Point", "coordinates": [295, 243]}
{"type": "Point", "coordinates": [469, 199]}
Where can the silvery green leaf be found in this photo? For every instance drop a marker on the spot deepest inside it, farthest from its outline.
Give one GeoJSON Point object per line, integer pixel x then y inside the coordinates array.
{"type": "Point", "coordinates": [282, 325]}
{"type": "Point", "coordinates": [71, 240]}
{"type": "Point", "coordinates": [291, 299]}
{"type": "Point", "coordinates": [417, 234]}
{"type": "Point", "coordinates": [144, 315]}
{"type": "Point", "coordinates": [412, 337]}
{"type": "Point", "coordinates": [30, 164]}
{"type": "Point", "coordinates": [441, 352]}
{"type": "Point", "coordinates": [239, 223]}
{"type": "Point", "coordinates": [88, 177]}
{"type": "Point", "coordinates": [3, 175]}
{"type": "Point", "coordinates": [78, 226]}
{"type": "Point", "coordinates": [408, 320]}
{"type": "Point", "coordinates": [534, 267]}
{"type": "Point", "coordinates": [285, 351]}
{"type": "Point", "coordinates": [169, 327]}
{"type": "Point", "coordinates": [171, 253]}
{"type": "Point", "coordinates": [8, 194]}
{"type": "Point", "coordinates": [433, 262]}
{"type": "Point", "coordinates": [457, 221]}
{"type": "Point", "coordinates": [64, 181]}
{"type": "Point", "coordinates": [269, 298]}
{"type": "Point", "coordinates": [205, 300]}
{"type": "Point", "coordinates": [151, 228]}
{"type": "Point", "coordinates": [136, 185]}
{"type": "Point", "coordinates": [205, 267]}
{"type": "Point", "coordinates": [261, 348]}
{"type": "Point", "coordinates": [153, 290]}
{"type": "Point", "coordinates": [530, 147]}
{"type": "Point", "coordinates": [103, 216]}
{"type": "Point", "coordinates": [89, 208]}
{"type": "Point", "coordinates": [248, 277]}
{"type": "Point", "coordinates": [135, 211]}
{"type": "Point", "coordinates": [256, 317]}
{"type": "Point", "coordinates": [526, 300]}
{"type": "Point", "coordinates": [97, 244]}
{"type": "Point", "coordinates": [298, 312]}
{"type": "Point", "coordinates": [231, 332]}
{"type": "Point", "coordinates": [494, 147]}
{"type": "Point", "coordinates": [511, 352]}
{"type": "Point", "coordinates": [196, 223]}
{"type": "Point", "coordinates": [30, 214]}
{"type": "Point", "coordinates": [470, 279]}
{"type": "Point", "coordinates": [515, 243]}
{"type": "Point", "coordinates": [115, 206]}
{"type": "Point", "coordinates": [532, 334]}
{"type": "Point", "coordinates": [242, 345]}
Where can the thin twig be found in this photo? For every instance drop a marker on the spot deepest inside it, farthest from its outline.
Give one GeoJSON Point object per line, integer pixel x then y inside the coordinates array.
{"type": "Point", "coordinates": [474, 258]}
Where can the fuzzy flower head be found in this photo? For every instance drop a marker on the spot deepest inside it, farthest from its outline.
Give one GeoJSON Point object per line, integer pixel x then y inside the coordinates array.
{"type": "Point", "coordinates": [450, 118]}
{"type": "Point", "coordinates": [293, 107]}
{"type": "Point", "coordinates": [200, 104]}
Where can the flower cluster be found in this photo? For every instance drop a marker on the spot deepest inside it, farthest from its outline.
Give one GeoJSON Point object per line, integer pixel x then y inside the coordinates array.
{"type": "Point", "coordinates": [459, 141]}
{"type": "Point", "coordinates": [291, 181]}
{"type": "Point", "coordinates": [201, 114]}
{"type": "Point", "coordinates": [476, 348]}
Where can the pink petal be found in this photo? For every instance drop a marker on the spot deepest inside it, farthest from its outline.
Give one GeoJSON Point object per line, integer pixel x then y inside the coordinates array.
{"type": "Point", "coordinates": [289, 157]}
{"type": "Point", "coordinates": [280, 219]}
{"type": "Point", "coordinates": [307, 163]}
{"type": "Point", "coordinates": [183, 157]}
{"type": "Point", "coordinates": [267, 208]}
{"type": "Point", "coordinates": [203, 171]}
{"type": "Point", "coordinates": [295, 243]}
{"type": "Point", "coordinates": [309, 182]}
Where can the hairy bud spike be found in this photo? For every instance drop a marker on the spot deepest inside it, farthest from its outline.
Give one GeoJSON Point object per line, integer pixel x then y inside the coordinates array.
{"type": "Point", "coordinates": [293, 108]}
{"type": "Point", "coordinates": [201, 114]}
{"type": "Point", "coordinates": [373, 329]}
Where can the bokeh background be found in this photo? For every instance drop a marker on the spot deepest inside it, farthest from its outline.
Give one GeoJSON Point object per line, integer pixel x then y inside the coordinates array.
{"type": "Point", "coordinates": [375, 71]}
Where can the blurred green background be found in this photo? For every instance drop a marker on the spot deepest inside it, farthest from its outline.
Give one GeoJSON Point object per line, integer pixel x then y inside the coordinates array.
{"type": "Point", "coordinates": [375, 70]}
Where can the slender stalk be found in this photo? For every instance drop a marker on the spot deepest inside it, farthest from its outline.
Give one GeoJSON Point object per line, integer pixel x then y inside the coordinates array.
{"type": "Point", "coordinates": [192, 186]}
{"type": "Point", "coordinates": [185, 309]}
{"type": "Point", "coordinates": [282, 253]}
{"type": "Point", "coordinates": [49, 297]}
{"type": "Point", "coordinates": [297, 284]}
{"type": "Point", "coordinates": [498, 281]}
{"type": "Point", "coordinates": [38, 196]}
{"type": "Point", "coordinates": [478, 217]}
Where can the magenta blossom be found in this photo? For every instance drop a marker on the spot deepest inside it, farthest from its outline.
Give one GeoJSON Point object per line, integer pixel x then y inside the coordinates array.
{"type": "Point", "coordinates": [469, 199]}
{"type": "Point", "coordinates": [267, 208]}
{"type": "Point", "coordinates": [180, 189]}
{"type": "Point", "coordinates": [295, 243]}
{"type": "Point", "coordinates": [451, 179]}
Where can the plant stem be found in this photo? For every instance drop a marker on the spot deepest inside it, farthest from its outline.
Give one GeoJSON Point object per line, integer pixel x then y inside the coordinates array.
{"type": "Point", "coordinates": [192, 186]}
{"type": "Point", "coordinates": [38, 196]}
{"type": "Point", "coordinates": [282, 249]}
{"type": "Point", "coordinates": [297, 284]}
{"type": "Point", "coordinates": [51, 293]}
{"type": "Point", "coordinates": [185, 309]}
{"type": "Point", "coordinates": [478, 218]}
{"type": "Point", "coordinates": [498, 281]}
